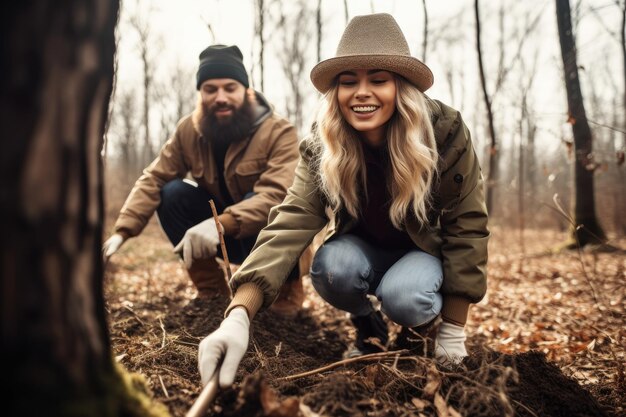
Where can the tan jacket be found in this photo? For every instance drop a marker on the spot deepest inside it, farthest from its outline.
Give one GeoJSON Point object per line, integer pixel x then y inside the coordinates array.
{"type": "Point", "coordinates": [263, 164]}
{"type": "Point", "coordinates": [457, 234]}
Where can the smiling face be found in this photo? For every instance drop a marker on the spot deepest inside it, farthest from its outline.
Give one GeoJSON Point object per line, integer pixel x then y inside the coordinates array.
{"type": "Point", "coordinates": [367, 100]}
{"type": "Point", "coordinates": [222, 97]}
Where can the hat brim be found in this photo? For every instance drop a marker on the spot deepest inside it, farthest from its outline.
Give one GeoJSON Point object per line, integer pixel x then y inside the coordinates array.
{"type": "Point", "coordinates": [323, 74]}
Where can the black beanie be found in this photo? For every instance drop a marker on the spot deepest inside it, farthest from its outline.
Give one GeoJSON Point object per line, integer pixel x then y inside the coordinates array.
{"type": "Point", "coordinates": [221, 61]}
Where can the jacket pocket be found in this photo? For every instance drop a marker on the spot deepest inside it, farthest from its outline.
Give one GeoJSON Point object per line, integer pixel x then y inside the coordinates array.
{"type": "Point", "coordinates": [248, 172]}
{"type": "Point", "coordinates": [251, 167]}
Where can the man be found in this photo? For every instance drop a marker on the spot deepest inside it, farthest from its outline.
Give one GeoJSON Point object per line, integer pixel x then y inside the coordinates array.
{"type": "Point", "coordinates": [233, 149]}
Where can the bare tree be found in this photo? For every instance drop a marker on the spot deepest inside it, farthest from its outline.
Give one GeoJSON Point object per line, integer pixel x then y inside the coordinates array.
{"type": "Point", "coordinates": [259, 28]}
{"type": "Point", "coordinates": [296, 37]}
{"type": "Point", "coordinates": [318, 21]}
{"type": "Point", "coordinates": [174, 98]}
{"type": "Point", "coordinates": [57, 66]}
{"type": "Point", "coordinates": [621, 39]}
{"type": "Point", "coordinates": [425, 38]}
{"type": "Point", "coordinates": [623, 43]}
{"type": "Point", "coordinates": [504, 68]}
{"type": "Point", "coordinates": [526, 130]}
{"type": "Point", "coordinates": [447, 43]}
{"type": "Point", "coordinates": [140, 24]}
{"type": "Point", "coordinates": [492, 174]}
{"type": "Point", "coordinates": [588, 229]}
{"type": "Point", "coordinates": [125, 122]}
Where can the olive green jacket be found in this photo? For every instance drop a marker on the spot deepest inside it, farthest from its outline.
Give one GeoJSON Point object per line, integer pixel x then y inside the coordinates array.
{"type": "Point", "coordinates": [457, 232]}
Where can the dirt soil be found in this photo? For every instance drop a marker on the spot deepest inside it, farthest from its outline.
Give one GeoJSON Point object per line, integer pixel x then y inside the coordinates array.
{"type": "Point", "coordinates": [548, 340]}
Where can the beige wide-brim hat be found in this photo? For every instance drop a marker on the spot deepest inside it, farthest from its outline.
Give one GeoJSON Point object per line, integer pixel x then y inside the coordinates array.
{"type": "Point", "coordinates": [372, 41]}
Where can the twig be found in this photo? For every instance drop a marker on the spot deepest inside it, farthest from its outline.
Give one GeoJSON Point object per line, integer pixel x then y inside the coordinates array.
{"type": "Point", "coordinates": [555, 198]}
{"type": "Point", "coordinates": [164, 333]}
{"type": "Point", "coordinates": [134, 314]}
{"type": "Point", "coordinates": [493, 392]}
{"type": "Point", "coordinates": [222, 243]}
{"type": "Point", "coordinates": [370, 357]}
{"type": "Point", "coordinates": [182, 342]}
{"type": "Point", "coordinates": [167, 395]}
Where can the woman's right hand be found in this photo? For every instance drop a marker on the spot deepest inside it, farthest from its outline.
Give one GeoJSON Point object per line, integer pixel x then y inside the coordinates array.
{"type": "Point", "coordinates": [229, 341]}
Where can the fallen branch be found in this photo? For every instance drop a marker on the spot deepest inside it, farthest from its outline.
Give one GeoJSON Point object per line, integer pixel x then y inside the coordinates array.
{"type": "Point", "coordinates": [364, 358]}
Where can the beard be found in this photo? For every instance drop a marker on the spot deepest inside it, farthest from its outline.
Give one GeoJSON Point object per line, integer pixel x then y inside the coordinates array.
{"type": "Point", "coordinates": [234, 129]}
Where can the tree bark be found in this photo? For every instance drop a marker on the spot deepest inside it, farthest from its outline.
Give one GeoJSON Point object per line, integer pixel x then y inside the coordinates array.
{"type": "Point", "coordinates": [57, 66]}
{"type": "Point", "coordinates": [587, 229]}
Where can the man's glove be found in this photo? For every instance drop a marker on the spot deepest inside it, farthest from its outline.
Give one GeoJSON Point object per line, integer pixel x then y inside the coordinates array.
{"type": "Point", "coordinates": [111, 245]}
{"type": "Point", "coordinates": [229, 341]}
{"type": "Point", "coordinates": [450, 344]}
{"type": "Point", "coordinates": [199, 242]}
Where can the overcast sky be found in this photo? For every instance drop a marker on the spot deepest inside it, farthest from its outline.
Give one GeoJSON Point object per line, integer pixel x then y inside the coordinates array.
{"type": "Point", "coordinates": [181, 30]}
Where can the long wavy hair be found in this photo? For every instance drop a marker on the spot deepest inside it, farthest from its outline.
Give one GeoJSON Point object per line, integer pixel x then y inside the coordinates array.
{"type": "Point", "coordinates": [412, 154]}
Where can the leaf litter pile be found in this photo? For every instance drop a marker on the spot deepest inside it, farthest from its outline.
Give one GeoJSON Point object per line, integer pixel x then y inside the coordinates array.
{"type": "Point", "coordinates": [548, 340]}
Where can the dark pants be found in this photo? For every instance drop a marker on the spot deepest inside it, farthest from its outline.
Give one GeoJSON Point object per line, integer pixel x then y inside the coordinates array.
{"type": "Point", "coordinates": [184, 205]}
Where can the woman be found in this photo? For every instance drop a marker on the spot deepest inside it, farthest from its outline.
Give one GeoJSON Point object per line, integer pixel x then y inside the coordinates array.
{"type": "Point", "coordinates": [395, 175]}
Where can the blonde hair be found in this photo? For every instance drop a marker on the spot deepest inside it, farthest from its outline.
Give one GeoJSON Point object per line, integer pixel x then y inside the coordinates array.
{"type": "Point", "coordinates": [412, 153]}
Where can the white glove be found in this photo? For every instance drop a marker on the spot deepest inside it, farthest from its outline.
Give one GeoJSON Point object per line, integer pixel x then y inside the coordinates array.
{"type": "Point", "coordinates": [111, 245]}
{"type": "Point", "coordinates": [450, 344]}
{"type": "Point", "coordinates": [229, 341]}
{"type": "Point", "coordinates": [199, 242]}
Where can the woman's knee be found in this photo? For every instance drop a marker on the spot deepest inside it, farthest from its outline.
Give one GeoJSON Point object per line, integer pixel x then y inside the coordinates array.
{"type": "Point", "coordinates": [412, 308]}
{"type": "Point", "coordinates": [340, 268]}
{"type": "Point", "coordinates": [409, 291]}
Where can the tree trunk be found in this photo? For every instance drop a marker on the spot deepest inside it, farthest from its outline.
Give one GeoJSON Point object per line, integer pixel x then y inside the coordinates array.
{"type": "Point", "coordinates": [425, 33]}
{"type": "Point", "coordinates": [318, 20]}
{"type": "Point", "coordinates": [261, 12]}
{"type": "Point", "coordinates": [623, 38]}
{"type": "Point", "coordinates": [587, 228]}
{"type": "Point", "coordinates": [57, 66]}
{"type": "Point", "coordinates": [492, 173]}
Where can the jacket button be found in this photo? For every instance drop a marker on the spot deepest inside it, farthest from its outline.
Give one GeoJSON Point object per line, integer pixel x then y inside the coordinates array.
{"type": "Point", "coordinates": [458, 178]}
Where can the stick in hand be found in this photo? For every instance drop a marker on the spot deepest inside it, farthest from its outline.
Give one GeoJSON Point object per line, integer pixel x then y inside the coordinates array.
{"type": "Point", "coordinates": [221, 236]}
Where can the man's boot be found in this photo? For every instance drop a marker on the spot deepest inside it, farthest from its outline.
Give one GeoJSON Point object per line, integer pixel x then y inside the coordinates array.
{"type": "Point", "coordinates": [209, 279]}
{"type": "Point", "coordinates": [291, 295]}
{"type": "Point", "coordinates": [290, 298]}
{"type": "Point", "coordinates": [371, 334]}
{"type": "Point", "coordinates": [419, 339]}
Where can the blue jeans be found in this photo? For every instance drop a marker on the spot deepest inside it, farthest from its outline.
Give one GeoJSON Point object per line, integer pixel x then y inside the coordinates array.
{"type": "Point", "coordinates": [184, 205]}
{"type": "Point", "coordinates": [406, 282]}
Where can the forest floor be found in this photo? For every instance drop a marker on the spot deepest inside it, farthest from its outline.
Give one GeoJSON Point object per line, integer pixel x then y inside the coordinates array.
{"type": "Point", "coordinates": [549, 339]}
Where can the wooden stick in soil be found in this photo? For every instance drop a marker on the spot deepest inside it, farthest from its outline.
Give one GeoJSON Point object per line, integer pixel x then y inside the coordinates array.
{"type": "Point", "coordinates": [222, 243]}
{"type": "Point", "coordinates": [209, 392]}
{"type": "Point", "coordinates": [206, 397]}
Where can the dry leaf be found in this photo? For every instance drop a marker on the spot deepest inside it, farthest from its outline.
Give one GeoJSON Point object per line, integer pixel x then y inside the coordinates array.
{"type": "Point", "coordinates": [419, 403]}
{"type": "Point", "coordinates": [433, 382]}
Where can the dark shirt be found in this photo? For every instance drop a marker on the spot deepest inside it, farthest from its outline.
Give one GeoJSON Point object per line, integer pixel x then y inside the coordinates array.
{"type": "Point", "coordinates": [219, 152]}
{"type": "Point", "coordinates": [374, 224]}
